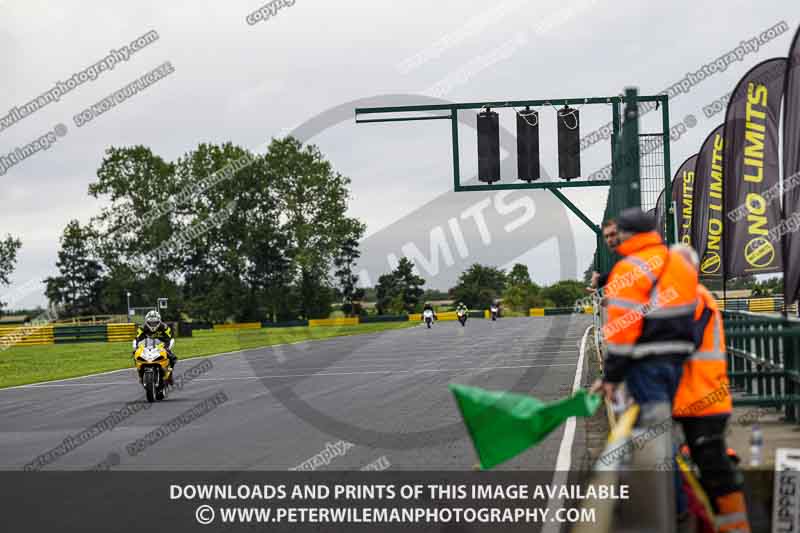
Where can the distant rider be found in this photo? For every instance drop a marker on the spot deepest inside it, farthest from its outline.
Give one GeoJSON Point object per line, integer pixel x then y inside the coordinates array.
{"type": "Point", "coordinates": [429, 307]}
{"type": "Point", "coordinates": [461, 308]}
{"type": "Point", "coordinates": [154, 328]}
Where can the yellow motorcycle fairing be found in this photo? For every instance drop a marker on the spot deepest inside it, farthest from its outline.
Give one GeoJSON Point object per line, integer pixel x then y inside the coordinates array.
{"type": "Point", "coordinates": [161, 361]}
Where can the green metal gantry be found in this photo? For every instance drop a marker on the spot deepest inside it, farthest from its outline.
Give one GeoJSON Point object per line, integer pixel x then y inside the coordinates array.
{"type": "Point", "coordinates": [625, 190]}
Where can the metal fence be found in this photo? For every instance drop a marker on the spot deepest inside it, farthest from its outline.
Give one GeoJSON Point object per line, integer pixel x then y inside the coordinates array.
{"type": "Point", "coordinates": [764, 360]}
{"type": "Point", "coordinates": [651, 169]}
{"type": "Point", "coordinates": [767, 304]}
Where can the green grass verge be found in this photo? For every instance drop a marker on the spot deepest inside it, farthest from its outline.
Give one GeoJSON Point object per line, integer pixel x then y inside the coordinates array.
{"type": "Point", "coordinates": [32, 364]}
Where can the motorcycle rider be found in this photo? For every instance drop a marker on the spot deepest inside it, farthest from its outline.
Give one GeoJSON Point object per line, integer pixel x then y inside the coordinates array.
{"type": "Point", "coordinates": [429, 307]}
{"type": "Point", "coordinates": [154, 328]}
{"type": "Point", "coordinates": [461, 309]}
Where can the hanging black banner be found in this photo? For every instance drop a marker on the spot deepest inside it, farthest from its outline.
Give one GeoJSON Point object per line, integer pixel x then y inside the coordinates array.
{"type": "Point", "coordinates": [751, 169]}
{"type": "Point", "coordinates": [707, 223]}
{"type": "Point", "coordinates": [791, 173]}
{"type": "Point", "coordinates": [683, 197]}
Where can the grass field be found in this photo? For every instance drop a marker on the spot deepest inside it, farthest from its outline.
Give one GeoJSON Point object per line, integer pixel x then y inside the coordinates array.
{"type": "Point", "coordinates": [33, 364]}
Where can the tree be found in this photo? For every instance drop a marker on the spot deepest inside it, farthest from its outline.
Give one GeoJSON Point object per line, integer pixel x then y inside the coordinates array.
{"type": "Point", "coordinates": [435, 294]}
{"type": "Point", "coordinates": [768, 287]}
{"type": "Point", "coordinates": [235, 265]}
{"type": "Point", "coordinates": [385, 293]}
{"type": "Point", "coordinates": [345, 263]}
{"type": "Point", "coordinates": [79, 286]}
{"type": "Point", "coordinates": [519, 275]}
{"type": "Point", "coordinates": [479, 286]}
{"type": "Point", "coordinates": [137, 184]}
{"type": "Point", "coordinates": [564, 293]}
{"type": "Point", "coordinates": [8, 260]}
{"type": "Point", "coordinates": [401, 290]}
{"type": "Point", "coordinates": [410, 285]}
{"type": "Point", "coordinates": [243, 237]}
{"type": "Point", "coordinates": [521, 293]}
{"type": "Point", "coordinates": [312, 200]}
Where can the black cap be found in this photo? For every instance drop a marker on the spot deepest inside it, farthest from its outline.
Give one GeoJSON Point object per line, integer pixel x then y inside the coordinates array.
{"type": "Point", "coordinates": [634, 220]}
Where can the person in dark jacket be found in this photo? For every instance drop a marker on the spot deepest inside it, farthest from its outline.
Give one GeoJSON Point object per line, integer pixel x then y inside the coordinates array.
{"type": "Point", "coordinates": [612, 241]}
{"type": "Point", "coordinates": [154, 328]}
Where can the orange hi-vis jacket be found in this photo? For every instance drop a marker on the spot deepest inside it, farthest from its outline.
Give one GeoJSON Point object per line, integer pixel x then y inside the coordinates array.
{"type": "Point", "coordinates": [704, 389]}
{"type": "Point", "coordinates": [651, 299]}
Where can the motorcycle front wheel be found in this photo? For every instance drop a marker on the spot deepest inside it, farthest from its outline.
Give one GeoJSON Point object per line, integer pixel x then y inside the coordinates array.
{"type": "Point", "coordinates": [149, 383]}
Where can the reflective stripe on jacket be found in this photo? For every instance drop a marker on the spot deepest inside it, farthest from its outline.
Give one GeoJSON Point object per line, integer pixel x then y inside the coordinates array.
{"type": "Point", "coordinates": [651, 300]}
{"type": "Point", "coordinates": [704, 389]}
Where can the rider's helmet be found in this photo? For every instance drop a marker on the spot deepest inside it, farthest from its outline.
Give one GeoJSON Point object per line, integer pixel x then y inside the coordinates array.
{"type": "Point", "coordinates": [152, 320]}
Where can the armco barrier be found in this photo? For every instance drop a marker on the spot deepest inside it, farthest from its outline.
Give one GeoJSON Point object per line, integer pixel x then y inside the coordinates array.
{"type": "Point", "coordinates": [285, 324]}
{"type": "Point", "coordinates": [558, 311]}
{"type": "Point", "coordinates": [366, 319]}
{"type": "Point", "coordinates": [120, 332]}
{"type": "Point", "coordinates": [762, 305]}
{"type": "Point", "coordinates": [733, 305]}
{"type": "Point", "coordinates": [26, 335]}
{"type": "Point", "coordinates": [446, 315]}
{"type": "Point", "coordinates": [341, 321]}
{"type": "Point", "coordinates": [238, 325]}
{"type": "Point", "coordinates": [766, 304]}
{"type": "Point", "coordinates": [71, 334]}
{"type": "Point", "coordinates": [548, 311]}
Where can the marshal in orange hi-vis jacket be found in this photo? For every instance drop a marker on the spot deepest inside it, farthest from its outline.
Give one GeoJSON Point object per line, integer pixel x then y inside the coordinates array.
{"type": "Point", "coordinates": [651, 301]}
{"type": "Point", "coordinates": [704, 387]}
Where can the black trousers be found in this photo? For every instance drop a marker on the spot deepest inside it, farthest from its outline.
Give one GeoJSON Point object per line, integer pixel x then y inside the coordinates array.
{"type": "Point", "coordinates": [706, 439]}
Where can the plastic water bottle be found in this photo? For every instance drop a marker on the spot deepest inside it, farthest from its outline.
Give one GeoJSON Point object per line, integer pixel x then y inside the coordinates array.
{"type": "Point", "coordinates": [756, 445]}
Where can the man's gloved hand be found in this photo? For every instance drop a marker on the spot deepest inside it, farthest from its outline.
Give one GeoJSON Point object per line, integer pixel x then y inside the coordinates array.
{"type": "Point", "coordinates": [604, 387]}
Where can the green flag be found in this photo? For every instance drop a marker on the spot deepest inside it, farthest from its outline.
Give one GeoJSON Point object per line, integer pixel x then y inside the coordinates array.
{"type": "Point", "coordinates": [503, 424]}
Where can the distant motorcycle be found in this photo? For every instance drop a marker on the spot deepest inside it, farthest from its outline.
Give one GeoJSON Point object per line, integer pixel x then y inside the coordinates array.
{"type": "Point", "coordinates": [462, 316]}
{"type": "Point", "coordinates": [493, 310]}
{"type": "Point", "coordinates": [427, 316]}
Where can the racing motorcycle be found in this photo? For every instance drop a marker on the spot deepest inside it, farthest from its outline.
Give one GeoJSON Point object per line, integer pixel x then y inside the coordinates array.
{"type": "Point", "coordinates": [462, 316]}
{"type": "Point", "coordinates": [153, 368]}
{"type": "Point", "coordinates": [493, 311]}
{"type": "Point", "coordinates": [427, 316]}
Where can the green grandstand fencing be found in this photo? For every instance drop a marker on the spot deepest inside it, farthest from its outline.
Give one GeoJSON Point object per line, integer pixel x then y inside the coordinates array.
{"type": "Point", "coordinates": [72, 334]}
{"type": "Point", "coordinates": [764, 360]}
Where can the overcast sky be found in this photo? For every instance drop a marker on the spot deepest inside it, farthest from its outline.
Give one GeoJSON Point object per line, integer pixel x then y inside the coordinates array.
{"type": "Point", "coordinates": [245, 83]}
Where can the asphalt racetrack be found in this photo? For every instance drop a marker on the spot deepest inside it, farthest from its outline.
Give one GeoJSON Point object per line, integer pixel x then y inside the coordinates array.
{"type": "Point", "coordinates": [379, 399]}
